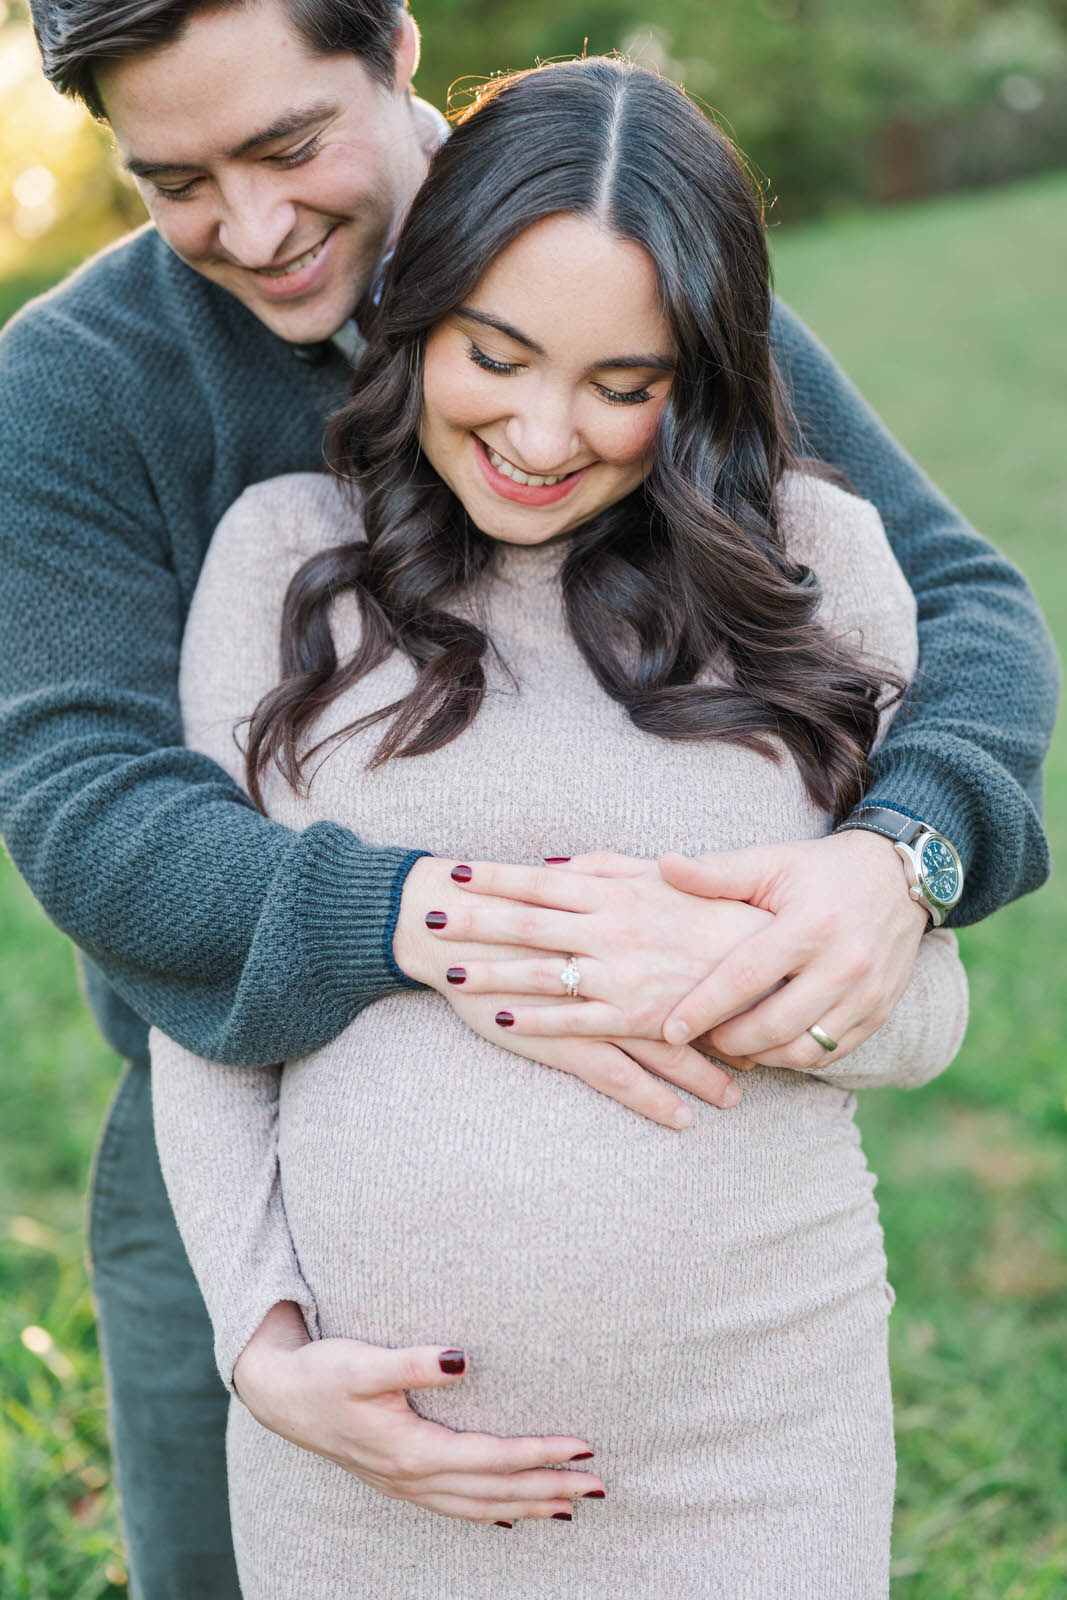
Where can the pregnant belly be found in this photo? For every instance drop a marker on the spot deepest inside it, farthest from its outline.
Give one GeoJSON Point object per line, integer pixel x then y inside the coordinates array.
{"type": "Point", "coordinates": [441, 1190]}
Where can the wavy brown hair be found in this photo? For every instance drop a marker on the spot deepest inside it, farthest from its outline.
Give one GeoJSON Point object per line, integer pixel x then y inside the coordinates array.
{"type": "Point", "coordinates": [686, 573]}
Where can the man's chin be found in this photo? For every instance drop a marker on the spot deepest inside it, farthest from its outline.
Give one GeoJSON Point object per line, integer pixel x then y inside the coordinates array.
{"type": "Point", "coordinates": [302, 324]}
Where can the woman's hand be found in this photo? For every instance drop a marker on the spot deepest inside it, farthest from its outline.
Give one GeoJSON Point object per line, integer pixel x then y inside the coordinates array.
{"type": "Point", "coordinates": [641, 944]}
{"type": "Point", "coordinates": [634, 1071]}
{"type": "Point", "coordinates": [345, 1400]}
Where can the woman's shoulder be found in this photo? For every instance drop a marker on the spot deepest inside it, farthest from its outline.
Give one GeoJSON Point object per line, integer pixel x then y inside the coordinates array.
{"type": "Point", "coordinates": [231, 650]}
{"type": "Point", "coordinates": [842, 539]}
{"type": "Point", "coordinates": [285, 520]}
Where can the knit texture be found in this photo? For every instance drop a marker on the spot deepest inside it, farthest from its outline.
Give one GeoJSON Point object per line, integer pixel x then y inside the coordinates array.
{"type": "Point", "coordinates": [709, 1308]}
{"type": "Point", "coordinates": [137, 402]}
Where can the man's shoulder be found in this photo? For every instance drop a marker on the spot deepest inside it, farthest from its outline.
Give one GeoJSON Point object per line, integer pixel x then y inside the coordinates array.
{"type": "Point", "coordinates": [115, 311]}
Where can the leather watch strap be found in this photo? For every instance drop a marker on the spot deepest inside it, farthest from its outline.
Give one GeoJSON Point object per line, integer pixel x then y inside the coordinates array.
{"type": "Point", "coordinates": [895, 825]}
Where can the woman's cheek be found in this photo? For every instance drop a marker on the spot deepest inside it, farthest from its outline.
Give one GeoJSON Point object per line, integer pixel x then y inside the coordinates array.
{"type": "Point", "coordinates": [632, 434]}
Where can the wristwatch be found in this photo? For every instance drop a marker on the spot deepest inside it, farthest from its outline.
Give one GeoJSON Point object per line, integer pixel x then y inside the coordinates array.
{"type": "Point", "coordinates": [933, 867]}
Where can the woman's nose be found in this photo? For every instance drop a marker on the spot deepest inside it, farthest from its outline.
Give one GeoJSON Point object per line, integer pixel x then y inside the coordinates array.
{"type": "Point", "coordinates": [543, 438]}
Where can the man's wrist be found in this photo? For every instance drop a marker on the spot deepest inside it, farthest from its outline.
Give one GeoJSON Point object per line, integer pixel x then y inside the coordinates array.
{"type": "Point", "coordinates": [931, 863]}
{"type": "Point", "coordinates": [869, 846]}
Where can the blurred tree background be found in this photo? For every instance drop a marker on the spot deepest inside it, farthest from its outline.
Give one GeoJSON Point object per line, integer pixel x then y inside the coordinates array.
{"type": "Point", "coordinates": [834, 101]}
{"type": "Point", "coordinates": [951, 315]}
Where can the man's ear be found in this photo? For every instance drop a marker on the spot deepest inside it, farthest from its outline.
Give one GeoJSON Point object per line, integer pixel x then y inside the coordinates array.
{"type": "Point", "coordinates": [407, 49]}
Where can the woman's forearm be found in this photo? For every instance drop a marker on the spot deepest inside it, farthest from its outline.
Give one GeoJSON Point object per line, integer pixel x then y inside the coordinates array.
{"type": "Point", "coordinates": [217, 1134]}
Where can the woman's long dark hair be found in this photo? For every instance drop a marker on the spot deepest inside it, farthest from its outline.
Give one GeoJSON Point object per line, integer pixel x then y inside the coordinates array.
{"type": "Point", "coordinates": [689, 570]}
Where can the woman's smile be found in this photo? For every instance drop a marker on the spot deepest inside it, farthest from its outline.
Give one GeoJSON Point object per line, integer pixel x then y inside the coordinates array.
{"type": "Point", "coordinates": [561, 353]}
{"type": "Point", "coordinates": [525, 489]}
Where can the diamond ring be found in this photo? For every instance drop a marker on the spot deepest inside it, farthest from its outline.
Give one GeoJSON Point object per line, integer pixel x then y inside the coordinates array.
{"type": "Point", "coordinates": [571, 977]}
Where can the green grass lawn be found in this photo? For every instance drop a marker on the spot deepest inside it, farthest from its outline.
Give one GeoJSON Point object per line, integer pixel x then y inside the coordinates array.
{"type": "Point", "coordinates": [952, 319]}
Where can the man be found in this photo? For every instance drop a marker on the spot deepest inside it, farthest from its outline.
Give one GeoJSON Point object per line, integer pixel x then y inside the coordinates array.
{"type": "Point", "coordinates": [277, 146]}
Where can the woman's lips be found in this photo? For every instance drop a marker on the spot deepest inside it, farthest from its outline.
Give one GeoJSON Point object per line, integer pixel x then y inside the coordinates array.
{"type": "Point", "coordinates": [524, 494]}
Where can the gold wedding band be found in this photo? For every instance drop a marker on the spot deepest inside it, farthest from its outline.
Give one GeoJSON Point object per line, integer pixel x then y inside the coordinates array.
{"type": "Point", "coordinates": [822, 1037]}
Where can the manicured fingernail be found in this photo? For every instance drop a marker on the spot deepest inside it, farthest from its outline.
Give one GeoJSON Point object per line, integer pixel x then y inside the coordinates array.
{"type": "Point", "coordinates": [594, 1494]}
{"type": "Point", "coordinates": [436, 919]}
{"type": "Point", "coordinates": [562, 1516]}
{"type": "Point", "coordinates": [456, 974]}
{"type": "Point", "coordinates": [556, 861]}
{"type": "Point", "coordinates": [505, 1019]}
{"type": "Point", "coordinates": [674, 1032]}
{"type": "Point", "coordinates": [731, 1095]}
{"type": "Point", "coordinates": [682, 1117]}
{"type": "Point", "coordinates": [452, 1361]}
{"type": "Point", "coordinates": [462, 874]}
{"type": "Point", "coordinates": [503, 1524]}
{"type": "Point", "coordinates": [583, 1455]}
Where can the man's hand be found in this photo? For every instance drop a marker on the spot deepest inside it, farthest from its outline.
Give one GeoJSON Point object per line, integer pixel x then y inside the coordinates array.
{"type": "Point", "coordinates": [345, 1400]}
{"type": "Point", "coordinates": [845, 935]}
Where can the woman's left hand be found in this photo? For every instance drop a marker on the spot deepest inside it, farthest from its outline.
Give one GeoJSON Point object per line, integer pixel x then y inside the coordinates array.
{"type": "Point", "coordinates": [641, 945]}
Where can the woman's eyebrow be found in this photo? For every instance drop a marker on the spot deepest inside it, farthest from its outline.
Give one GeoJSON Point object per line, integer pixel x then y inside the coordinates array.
{"type": "Point", "coordinates": [658, 362]}
{"type": "Point", "coordinates": [501, 327]}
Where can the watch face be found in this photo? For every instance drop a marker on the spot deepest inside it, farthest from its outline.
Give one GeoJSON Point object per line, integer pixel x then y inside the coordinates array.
{"type": "Point", "coordinates": [940, 872]}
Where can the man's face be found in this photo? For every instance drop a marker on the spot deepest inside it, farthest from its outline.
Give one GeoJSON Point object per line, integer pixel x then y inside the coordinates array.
{"type": "Point", "coordinates": [280, 174]}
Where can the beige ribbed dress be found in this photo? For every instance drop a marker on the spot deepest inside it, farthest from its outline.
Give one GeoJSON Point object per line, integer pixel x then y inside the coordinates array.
{"type": "Point", "coordinates": [708, 1308]}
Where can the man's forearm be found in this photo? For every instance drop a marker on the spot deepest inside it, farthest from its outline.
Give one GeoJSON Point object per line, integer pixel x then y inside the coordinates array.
{"type": "Point", "coordinates": [966, 749]}
{"type": "Point", "coordinates": [243, 940]}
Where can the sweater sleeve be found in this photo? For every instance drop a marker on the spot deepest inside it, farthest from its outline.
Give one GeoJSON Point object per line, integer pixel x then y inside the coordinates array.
{"type": "Point", "coordinates": [867, 605]}
{"type": "Point", "coordinates": [198, 911]}
{"type": "Point", "coordinates": [966, 752]}
{"type": "Point", "coordinates": [217, 1136]}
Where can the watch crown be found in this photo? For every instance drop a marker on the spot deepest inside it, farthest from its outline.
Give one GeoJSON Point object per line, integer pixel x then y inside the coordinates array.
{"type": "Point", "coordinates": [915, 892]}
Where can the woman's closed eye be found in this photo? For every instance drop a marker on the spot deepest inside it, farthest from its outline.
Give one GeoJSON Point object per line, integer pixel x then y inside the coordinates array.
{"type": "Point", "coordinates": [615, 397]}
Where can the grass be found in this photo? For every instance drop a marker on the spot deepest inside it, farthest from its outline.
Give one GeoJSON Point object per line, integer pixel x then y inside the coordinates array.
{"type": "Point", "coordinates": [951, 318]}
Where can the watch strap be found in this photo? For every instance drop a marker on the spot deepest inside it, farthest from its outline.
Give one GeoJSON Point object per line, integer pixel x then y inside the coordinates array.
{"type": "Point", "coordinates": [895, 825]}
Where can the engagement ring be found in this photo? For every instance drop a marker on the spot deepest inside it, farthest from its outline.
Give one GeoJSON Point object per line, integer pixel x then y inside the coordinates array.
{"type": "Point", "coordinates": [571, 977]}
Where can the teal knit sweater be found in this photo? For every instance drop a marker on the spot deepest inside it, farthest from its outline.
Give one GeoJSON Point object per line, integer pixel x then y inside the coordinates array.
{"type": "Point", "coordinates": [137, 401]}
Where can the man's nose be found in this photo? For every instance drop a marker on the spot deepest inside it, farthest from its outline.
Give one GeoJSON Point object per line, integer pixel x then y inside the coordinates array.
{"type": "Point", "coordinates": [255, 224]}
{"type": "Point", "coordinates": [543, 436]}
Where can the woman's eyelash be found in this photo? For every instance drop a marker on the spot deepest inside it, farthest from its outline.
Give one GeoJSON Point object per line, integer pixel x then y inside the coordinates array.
{"type": "Point", "coordinates": [625, 397]}
{"type": "Point", "coordinates": [293, 158]}
{"type": "Point", "coordinates": [615, 397]}
{"type": "Point", "coordinates": [487, 363]}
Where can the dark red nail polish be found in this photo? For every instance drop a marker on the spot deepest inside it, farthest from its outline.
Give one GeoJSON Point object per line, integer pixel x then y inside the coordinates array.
{"type": "Point", "coordinates": [462, 874]}
{"type": "Point", "coordinates": [583, 1455]}
{"type": "Point", "coordinates": [505, 1019]}
{"type": "Point", "coordinates": [556, 861]}
{"type": "Point", "coordinates": [503, 1524]}
{"type": "Point", "coordinates": [436, 919]}
{"type": "Point", "coordinates": [452, 1361]}
{"type": "Point", "coordinates": [456, 974]}
{"type": "Point", "coordinates": [562, 1516]}
{"type": "Point", "coordinates": [594, 1494]}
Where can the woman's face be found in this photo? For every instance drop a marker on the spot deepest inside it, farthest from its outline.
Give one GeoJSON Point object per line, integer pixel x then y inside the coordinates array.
{"type": "Point", "coordinates": [542, 393]}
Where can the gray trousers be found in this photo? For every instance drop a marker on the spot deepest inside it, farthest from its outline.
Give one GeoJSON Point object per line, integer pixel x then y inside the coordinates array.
{"type": "Point", "coordinates": [168, 1405]}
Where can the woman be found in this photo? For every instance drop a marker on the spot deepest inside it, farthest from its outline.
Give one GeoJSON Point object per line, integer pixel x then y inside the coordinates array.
{"type": "Point", "coordinates": [587, 597]}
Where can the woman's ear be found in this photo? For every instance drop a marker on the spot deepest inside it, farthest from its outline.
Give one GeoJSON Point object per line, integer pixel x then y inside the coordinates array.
{"type": "Point", "coordinates": [407, 50]}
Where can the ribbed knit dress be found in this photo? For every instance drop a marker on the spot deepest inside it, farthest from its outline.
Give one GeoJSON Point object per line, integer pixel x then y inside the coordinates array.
{"type": "Point", "coordinates": [709, 1309]}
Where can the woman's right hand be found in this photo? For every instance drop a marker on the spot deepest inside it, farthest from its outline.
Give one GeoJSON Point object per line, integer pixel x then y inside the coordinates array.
{"type": "Point", "coordinates": [345, 1400]}
{"type": "Point", "coordinates": [638, 1073]}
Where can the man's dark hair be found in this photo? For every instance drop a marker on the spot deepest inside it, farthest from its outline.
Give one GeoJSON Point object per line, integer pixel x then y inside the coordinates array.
{"type": "Point", "coordinates": [77, 37]}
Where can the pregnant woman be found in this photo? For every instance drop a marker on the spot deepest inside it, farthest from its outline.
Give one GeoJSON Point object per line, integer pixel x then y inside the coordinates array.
{"type": "Point", "coordinates": [569, 589]}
